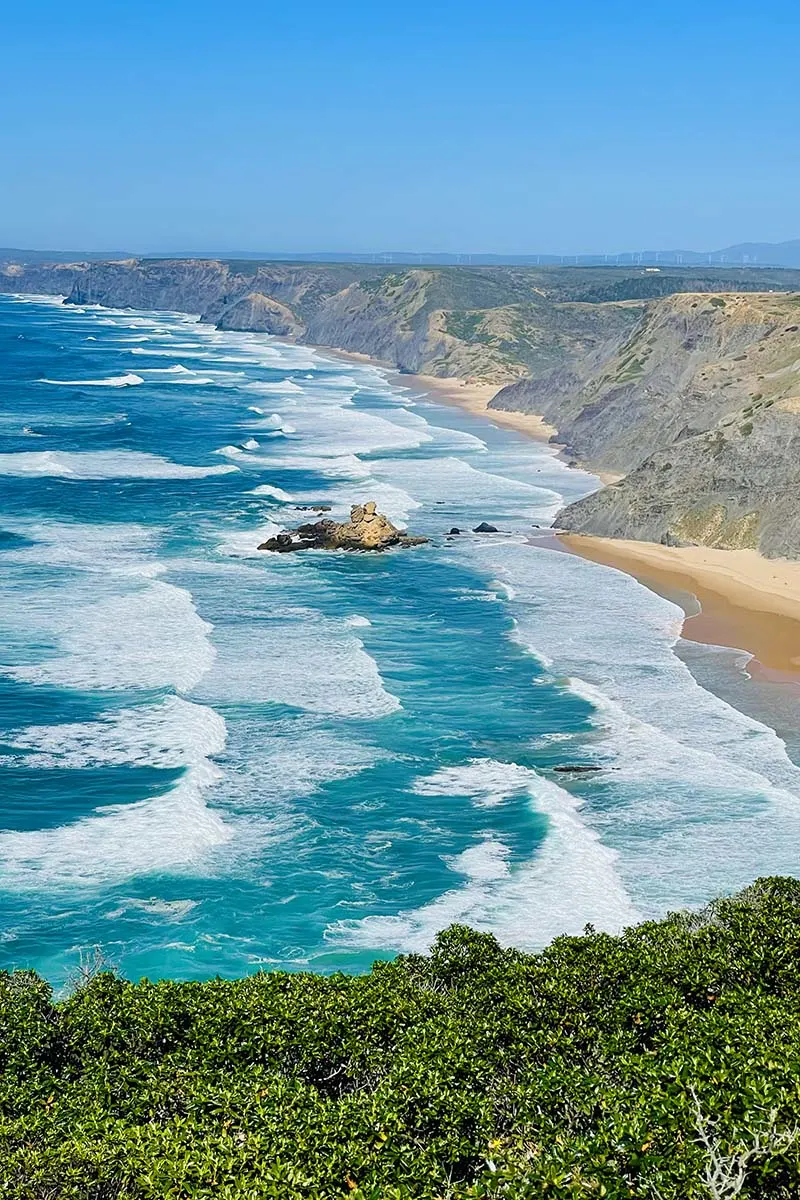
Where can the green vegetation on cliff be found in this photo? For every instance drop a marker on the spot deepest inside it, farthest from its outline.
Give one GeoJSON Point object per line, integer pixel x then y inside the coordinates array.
{"type": "Point", "coordinates": [659, 1064]}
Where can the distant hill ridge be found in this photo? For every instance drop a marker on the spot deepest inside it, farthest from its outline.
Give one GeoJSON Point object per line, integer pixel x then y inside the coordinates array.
{"type": "Point", "coordinates": [764, 254]}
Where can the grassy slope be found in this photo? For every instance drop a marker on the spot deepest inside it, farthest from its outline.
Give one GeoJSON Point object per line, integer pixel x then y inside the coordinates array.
{"type": "Point", "coordinates": [604, 1067]}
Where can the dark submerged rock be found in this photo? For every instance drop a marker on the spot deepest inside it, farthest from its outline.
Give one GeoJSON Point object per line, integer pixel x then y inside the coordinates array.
{"type": "Point", "coordinates": [576, 769]}
{"type": "Point", "coordinates": [485, 527]}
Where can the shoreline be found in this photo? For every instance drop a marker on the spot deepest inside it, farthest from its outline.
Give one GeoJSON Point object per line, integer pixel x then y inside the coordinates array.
{"type": "Point", "coordinates": [746, 602]}
{"type": "Point", "coordinates": [461, 393]}
{"type": "Point", "coordinates": [732, 598]}
{"type": "Point", "coordinates": [475, 398]}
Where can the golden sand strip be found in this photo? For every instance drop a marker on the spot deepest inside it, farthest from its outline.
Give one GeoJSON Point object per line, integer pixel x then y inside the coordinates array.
{"type": "Point", "coordinates": [747, 601]}
{"type": "Point", "coordinates": [475, 397]}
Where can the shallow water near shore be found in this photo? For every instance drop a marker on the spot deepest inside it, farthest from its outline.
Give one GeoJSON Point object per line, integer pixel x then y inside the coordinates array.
{"type": "Point", "coordinates": [215, 760]}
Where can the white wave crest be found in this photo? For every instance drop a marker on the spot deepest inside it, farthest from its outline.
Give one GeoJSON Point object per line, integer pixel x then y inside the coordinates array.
{"type": "Point", "coordinates": [276, 493]}
{"type": "Point", "coordinates": [169, 833]}
{"type": "Point", "coordinates": [148, 637]}
{"type": "Point", "coordinates": [285, 387]}
{"type": "Point", "coordinates": [174, 733]}
{"type": "Point", "coordinates": [305, 661]}
{"type": "Point", "coordinates": [102, 464]}
{"type": "Point", "coordinates": [571, 881]}
{"type": "Point", "coordinates": [705, 797]}
{"type": "Point", "coordinates": [113, 381]}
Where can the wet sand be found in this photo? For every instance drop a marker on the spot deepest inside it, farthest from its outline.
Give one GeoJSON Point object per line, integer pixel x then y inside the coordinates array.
{"type": "Point", "coordinates": [746, 601]}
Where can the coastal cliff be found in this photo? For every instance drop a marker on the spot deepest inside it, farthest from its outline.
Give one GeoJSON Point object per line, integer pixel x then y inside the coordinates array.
{"type": "Point", "coordinates": [702, 408]}
{"type": "Point", "coordinates": [686, 382]}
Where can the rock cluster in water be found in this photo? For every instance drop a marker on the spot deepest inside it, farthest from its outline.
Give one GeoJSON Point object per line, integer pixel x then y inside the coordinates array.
{"type": "Point", "coordinates": [367, 529]}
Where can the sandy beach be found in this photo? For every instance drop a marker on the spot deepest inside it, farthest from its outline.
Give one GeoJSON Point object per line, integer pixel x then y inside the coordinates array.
{"type": "Point", "coordinates": [475, 398]}
{"type": "Point", "coordinates": [746, 601]}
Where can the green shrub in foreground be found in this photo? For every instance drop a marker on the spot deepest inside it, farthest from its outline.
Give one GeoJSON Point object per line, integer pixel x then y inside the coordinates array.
{"type": "Point", "coordinates": [664, 1063]}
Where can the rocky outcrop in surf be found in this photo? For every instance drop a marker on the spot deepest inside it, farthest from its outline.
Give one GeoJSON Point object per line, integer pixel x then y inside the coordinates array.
{"type": "Point", "coordinates": [367, 529]}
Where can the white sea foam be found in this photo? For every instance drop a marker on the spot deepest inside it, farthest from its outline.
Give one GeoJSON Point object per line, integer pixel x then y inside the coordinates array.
{"type": "Point", "coordinates": [346, 466]}
{"type": "Point", "coordinates": [169, 833]}
{"type": "Point", "coordinates": [49, 299]}
{"type": "Point", "coordinates": [174, 733]}
{"type": "Point", "coordinates": [177, 369]}
{"type": "Point", "coordinates": [482, 863]}
{"type": "Point", "coordinates": [305, 661]}
{"type": "Point", "coordinates": [275, 421]}
{"type": "Point", "coordinates": [102, 464]}
{"type": "Point", "coordinates": [244, 543]}
{"type": "Point", "coordinates": [177, 350]}
{"type": "Point", "coordinates": [169, 910]}
{"type": "Point", "coordinates": [120, 547]}
{"type": "Point", "coordinates": [149, 636]}
{"type": "Point", "coordinates": [333, 431]}
{"type": "Point", "coordinates": [284, 387]}
{"type": "Point", "coordinates": [113, 381]}
{"type": "Point", "coordinates": [572, 879]}
{"type": "Point", "coordinates": [443, 437]}
{"type": "Point", "coordinates": [705, 797]}
{"type": "Point", "coordinates": [183, 375]}
{"type": "Point", "coordinates": [276, 764]}
{"type": "Point", "coordinates": [466, 491]}
{"type": "Point", "coordinates": [487, 783]}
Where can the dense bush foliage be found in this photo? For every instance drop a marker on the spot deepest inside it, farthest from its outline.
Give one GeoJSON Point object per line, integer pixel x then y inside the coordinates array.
{"type": "Point", "coordinates": [664, 1063]}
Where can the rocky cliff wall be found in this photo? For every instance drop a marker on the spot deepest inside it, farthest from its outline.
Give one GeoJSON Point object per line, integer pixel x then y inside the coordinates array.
{"type": "Point", "coordinates": [702, 407]}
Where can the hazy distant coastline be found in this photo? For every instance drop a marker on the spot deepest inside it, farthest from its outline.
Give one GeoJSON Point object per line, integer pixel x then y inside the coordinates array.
{"type": "Point", "coordinates": [762, 254]}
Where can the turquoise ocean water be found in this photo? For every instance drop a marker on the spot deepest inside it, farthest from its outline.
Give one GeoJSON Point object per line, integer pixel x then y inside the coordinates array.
{"type": "Point", "coordinates": [214, 760]}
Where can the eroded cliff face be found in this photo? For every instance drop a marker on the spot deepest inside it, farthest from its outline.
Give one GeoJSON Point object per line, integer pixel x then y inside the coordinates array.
{"type": "Point", "coordinates": [261, 314]}
{"type": "Point", "coordinates": [702, 407]}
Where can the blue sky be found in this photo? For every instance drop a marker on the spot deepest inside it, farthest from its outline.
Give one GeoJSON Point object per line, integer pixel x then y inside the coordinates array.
{"type": "Point", "coordinates": [422, 125]}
